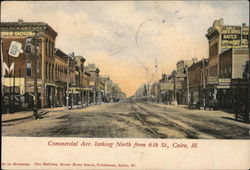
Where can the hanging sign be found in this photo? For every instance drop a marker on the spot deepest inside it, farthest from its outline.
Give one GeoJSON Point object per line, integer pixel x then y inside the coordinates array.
{"type": "Point", "coordinates": [15, 49]}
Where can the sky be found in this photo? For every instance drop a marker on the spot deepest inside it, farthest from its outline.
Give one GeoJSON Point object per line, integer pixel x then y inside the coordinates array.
{"type": "Point", "coordinates": [127, 39]}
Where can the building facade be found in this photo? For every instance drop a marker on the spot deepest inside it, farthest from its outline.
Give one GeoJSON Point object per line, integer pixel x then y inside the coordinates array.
{"type": "Point", "coordinates": [20, 82]}
{"type": "Point", "coordinates": [222, 38]}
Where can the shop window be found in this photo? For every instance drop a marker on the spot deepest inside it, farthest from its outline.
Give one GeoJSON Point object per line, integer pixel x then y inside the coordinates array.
{"type": "Point", "coordinates": [28, 68]}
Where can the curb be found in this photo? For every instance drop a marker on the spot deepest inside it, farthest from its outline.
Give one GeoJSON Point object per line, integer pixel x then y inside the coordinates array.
{"type": "Point", "coordinates": [23, 118]}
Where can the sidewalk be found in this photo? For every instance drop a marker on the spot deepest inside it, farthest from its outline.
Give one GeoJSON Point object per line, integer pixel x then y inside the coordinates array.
{"type": "Point", "coordinates": [27, 114]}
{"type": "Point", "coordinates": [197, 110]}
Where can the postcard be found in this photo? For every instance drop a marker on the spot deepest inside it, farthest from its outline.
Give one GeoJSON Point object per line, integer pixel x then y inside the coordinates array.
{"type": "Point", "coordinates": [125, 85]}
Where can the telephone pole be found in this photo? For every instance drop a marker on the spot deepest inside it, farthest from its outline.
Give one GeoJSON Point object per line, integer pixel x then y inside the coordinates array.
{"type": "Point", "coordinates": [35, 114]}
{"type": "Point", "coordinates": [204, 85]}
{"type": "Point", "coordinates": [67, 91]}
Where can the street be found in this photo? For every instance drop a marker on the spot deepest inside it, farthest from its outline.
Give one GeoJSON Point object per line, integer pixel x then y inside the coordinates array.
{"type": "Point", "coordinates": [128, 119]}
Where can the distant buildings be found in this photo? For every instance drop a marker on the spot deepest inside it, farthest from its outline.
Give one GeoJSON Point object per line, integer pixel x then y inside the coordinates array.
{"type": "Point", "coordinates": [219, 81]}
{"type": "Point", "coordinates": [58, 74]}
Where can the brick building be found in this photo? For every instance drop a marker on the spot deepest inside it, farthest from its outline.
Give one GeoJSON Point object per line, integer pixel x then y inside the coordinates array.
{"type": "Point", "coordinates": [93, 82]}
{"type": "Point", "coordinates": [21, 82]}
{"type": "Point", "coordinates": [197, 82]}
{"type": "Point", "coordinates": [233, 84]}
{"type": "Point", "coordinates": [221, 38]}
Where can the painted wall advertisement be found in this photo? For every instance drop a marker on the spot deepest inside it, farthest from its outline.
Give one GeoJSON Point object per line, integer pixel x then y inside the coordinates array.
{"type": "Point", "coordinates": [234, 37]}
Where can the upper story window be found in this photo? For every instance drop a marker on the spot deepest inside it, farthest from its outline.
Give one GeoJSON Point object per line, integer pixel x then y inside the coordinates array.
{"type": "Point", "coordinates": [49, 71]}
{"type": "Point", "coordinates": [52, 49]}
{"type": "Point", "coordinates": [46, 69]}
{"type": "Point", "coordinates": [213, 50]}
{"type": "Point", "coordinates": [52, 72]}
{"type": "Point", "coordinates": [28, 68]}
{"type": "Point", "coordinates": [47, 47]}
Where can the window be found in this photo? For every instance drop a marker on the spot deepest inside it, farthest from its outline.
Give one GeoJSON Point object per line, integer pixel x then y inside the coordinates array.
{"type": "Point", "coordinates": [213, 51]}
{"type": "Point", "coordinates": [28, 68]}
{"type": "Point", "coordinates": [56, 71]}
{"type": "Point", "coordinates": [49, 71]}
{"type": "Point", "coordinates": [46, 69]}
{"type": "Point", "coordinates": [47, 46]}
{"type": "Point", "coordinates": [52, 50]}
{"type": "Point", "coordinates": [52, 72]}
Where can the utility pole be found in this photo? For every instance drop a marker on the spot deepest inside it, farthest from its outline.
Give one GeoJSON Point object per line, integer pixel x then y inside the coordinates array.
{"type": "Point", "coordinates": [67, 91]}
{"type": "Point", "coordinates": [9, 99]}
{"type": "Point", "coordinates": [188, 95]}
{"type": "Point", "coordinates": [13, 91]}
{"type": "Point", "coordinates": [72, 102]}
{"type": "Point", "coordinates": [249, 81]}
{"type": "Point", "coordinates": [175, 97]}
{"type": "Point", "coordinates": [204, 85]}
{"type": "Point", "coordinates": [2, 76]}
{"type": "Point", "coordinates": [35, 114]}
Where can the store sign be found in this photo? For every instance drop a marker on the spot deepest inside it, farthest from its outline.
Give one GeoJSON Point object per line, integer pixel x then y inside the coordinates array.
{"type": "Point", "coordinates": [7, 69]}
{"type": "Point", "coordinates": [224, 81]}
{"type": "Point", "coordinates": [91, 83]}
{"type": "Point", "coordinates": [223, 87]}
{"type": "Point", "coordinates": [245, 37]}
{"type": "Point", "coordinates": [17, 33]}
{"type": "Point", "coordinates": [166, 86]}
{"type": "Point", "coordinates": [178, 85]}
{"type": "Point", "coordinates": [231, 37]}
{"type": "Point", "coordinates": [212, 80]}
